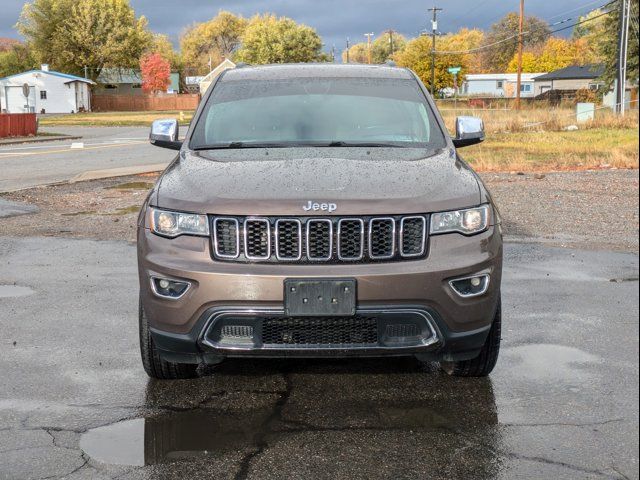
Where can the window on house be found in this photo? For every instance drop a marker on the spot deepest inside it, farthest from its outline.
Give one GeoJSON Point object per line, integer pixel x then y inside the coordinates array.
{"type": "Point", "coordinates": [525, 88]}
{"type": "Point", "coordinates": [500, 84]}
{"type": "Point", "coordinates": [110, 86]}
{"type": "Point", "coordinates": [136, 85]}
{"type": "Point", "coordinates": [43, 94]}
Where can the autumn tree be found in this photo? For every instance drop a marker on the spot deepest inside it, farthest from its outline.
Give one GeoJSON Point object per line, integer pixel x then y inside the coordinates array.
{"type": "Point", "coordinates": [161, 45]}
{"type": "Point", "coordinates": [503, 38]}
{"type": "Point", "coordinates": [607, 47]}
{"type": "Point", "coordinates": [212, 40]}
{"type": "Point", "coordinates": [73, 34]}
{"type": "Point", "coordinates": [269, 39]}
{"type": "Point", "coordinates": [156, 73]}
{"type": "Point", "coordinates": [417, 56]}
{"type": "Point", "coordinates": [17, 59]}
{"type": "Point", "coordinates": [464, 40]}
{"type": "Point", "coordinates": [380, 49]}
{"type": "Point", "coordinates": [358, 53]}
{"type": "Point", "coordinates": [554, 54]}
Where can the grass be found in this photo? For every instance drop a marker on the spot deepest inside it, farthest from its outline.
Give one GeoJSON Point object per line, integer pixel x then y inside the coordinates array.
{"type": "Point", "coordinates": [113, 119]}
{"type": "Point", "coordinates": [591, 148]}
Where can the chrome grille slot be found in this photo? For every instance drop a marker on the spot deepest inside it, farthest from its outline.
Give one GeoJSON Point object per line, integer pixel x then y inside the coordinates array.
{"type": "Point", "coordinates": [350, 239]}
{"type": "Point", "coordinates": [319, 239]}
{"type": "Point", "coordinates": [288, 237]}
{"type": "Point", "coordinates": [310, 239]}
{"type": "Point", "coordinates": [257, 238]}
{"type": "Point", "coordinates": [382, 238]}
{"type": "Point", "coordinates": [226, 237]}
{"type": "Point", "coordinates": [412, 236]}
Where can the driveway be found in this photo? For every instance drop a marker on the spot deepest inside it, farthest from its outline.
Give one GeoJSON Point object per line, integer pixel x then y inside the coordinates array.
{"type": "Point", "coordinates": [75, 402]}
{"type": "Point", "coordinates": [29, 165]}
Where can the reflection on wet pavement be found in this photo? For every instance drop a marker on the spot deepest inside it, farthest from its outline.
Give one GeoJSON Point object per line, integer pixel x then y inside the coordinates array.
{"type": "Point", "coordinates": [391, 406]}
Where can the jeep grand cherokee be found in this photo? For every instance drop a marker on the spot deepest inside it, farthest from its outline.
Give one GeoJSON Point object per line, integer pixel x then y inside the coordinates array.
{"type": "Point", "coordinates": [318, 211]}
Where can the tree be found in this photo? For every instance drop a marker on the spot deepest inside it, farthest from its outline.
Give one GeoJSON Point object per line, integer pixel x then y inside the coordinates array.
{"type": "Point", "coordinates": [381, 46]}
{"type": "Point", "coordinates": [212, 40]}
{"type": "Point", "coordinates": [269, 39]}
{"type": "Point", "coordinates": [556, 53]}
{"type": "Point", "coordinates": [17, 59]}
{"type": "Point", "coordinates": [162, 45]}
{"type": "Point", "coordinates": [357, 53]}
{"type": "Point", "coordinates": [591, 28]}
{"type": "Point", "coordinates": [463, 40]}
{"type": "Point", "coordinates": [73, 34]}
{"type": "Point", "coordinates": [156, 73]}
{"type": "Point", "coordinates": [608, 48]}
{"type": "Point", "coordinates": [417, 56]}
{"type": "Point", "coordinates": [505, 31]}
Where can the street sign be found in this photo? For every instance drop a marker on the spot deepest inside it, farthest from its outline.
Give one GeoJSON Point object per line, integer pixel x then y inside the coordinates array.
{"type": "Point", "coordinates": [454, 70]}
{"type": "Point", "coordinates": [25, 90]}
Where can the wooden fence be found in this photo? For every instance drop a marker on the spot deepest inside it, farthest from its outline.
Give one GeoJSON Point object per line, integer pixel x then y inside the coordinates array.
{"type": "Point", "coordinates": [18, 124]}
{"type": "Point", "coordinates": [142, 103]}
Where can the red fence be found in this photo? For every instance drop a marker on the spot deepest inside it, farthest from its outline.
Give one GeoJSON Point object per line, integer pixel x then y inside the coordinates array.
{"type": "Point", "coordinates": [18, 124]}
{"type": "Point", "coordinates": [137, 103]}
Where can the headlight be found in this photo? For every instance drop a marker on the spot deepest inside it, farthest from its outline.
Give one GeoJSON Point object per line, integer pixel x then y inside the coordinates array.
{"type": "Point", "coordinates": [172, 224]}
{"type": "Point", "coordinates": [467, 222]}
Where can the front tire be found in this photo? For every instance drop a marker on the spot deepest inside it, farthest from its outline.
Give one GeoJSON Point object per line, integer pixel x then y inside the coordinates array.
{"type": "Point", "coordinates": [483, 364]}
{"type": "Point", "coordinates": [153, 364]}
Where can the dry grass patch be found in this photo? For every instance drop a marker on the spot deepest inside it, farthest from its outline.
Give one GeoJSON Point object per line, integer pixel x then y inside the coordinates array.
{"type": "Point", "coordinates": [114, 119]}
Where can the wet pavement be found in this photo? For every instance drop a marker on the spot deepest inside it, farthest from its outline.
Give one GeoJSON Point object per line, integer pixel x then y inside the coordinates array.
{"type": "Point", "coordinates": [75, 402]}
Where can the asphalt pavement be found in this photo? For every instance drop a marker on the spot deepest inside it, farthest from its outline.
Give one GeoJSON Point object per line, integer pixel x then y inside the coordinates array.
{"type": "Point", "coordinates": [75, 402]}
{"type": "Point", "coordinates": [29, 165]}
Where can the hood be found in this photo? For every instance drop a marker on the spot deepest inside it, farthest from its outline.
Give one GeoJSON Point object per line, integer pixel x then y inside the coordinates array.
{"type": "Point", "coordinates": [280, 181]}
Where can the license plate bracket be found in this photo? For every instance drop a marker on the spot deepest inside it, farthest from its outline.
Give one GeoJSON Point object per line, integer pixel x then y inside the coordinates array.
{"type": "Point", "coordinates": [319, 297]}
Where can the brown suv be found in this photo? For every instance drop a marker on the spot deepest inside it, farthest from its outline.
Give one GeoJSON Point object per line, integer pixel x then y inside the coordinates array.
{"type": "Point", "coordinates": [318, 211]}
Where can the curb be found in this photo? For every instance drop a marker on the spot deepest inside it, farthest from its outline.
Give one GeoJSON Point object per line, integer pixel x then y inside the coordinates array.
{"type": "Point", "coordinates": [39, 140]}
{"type": "Point", "coordinates": [118, 172]}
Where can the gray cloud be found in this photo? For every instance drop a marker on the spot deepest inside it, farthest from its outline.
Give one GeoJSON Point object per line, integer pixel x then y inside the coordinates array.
{"type": "Point", "coordinates": [335, 20]}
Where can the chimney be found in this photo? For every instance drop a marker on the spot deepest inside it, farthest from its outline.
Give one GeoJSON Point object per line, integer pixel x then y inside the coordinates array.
{"type": "Point", "coordinates": [44, 67]}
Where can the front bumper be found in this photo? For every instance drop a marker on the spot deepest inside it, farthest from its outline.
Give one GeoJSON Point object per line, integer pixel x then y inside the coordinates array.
{"type": "Point", "coordinates": [451, 327]}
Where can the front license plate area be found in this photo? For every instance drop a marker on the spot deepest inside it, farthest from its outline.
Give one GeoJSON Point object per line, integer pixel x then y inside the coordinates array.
{"type": "Point", "coordinates": [319, 297]}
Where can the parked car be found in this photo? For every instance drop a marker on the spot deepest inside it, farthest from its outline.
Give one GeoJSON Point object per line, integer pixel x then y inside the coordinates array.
{"type": "Point", "coordinates": [318, 211]}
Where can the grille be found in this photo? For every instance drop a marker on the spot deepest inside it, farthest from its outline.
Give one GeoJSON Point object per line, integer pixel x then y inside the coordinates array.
{"type": "Point", "coordinates": [313, 240]}
{"type": "Point", "coordinates": [352, 331]}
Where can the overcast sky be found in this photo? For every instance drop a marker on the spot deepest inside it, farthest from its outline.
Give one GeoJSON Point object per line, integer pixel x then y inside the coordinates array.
{"type": "Point", "coordinates": [335, 20]}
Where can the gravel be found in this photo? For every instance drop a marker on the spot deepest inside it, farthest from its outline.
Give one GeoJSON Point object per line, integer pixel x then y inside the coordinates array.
{"type": "Point", "coordinates": [587, 209]}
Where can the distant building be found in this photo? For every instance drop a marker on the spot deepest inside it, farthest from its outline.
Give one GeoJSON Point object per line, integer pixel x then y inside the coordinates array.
{"type": "Point", "coordinates": [499, 85]}
{"type": "Point", "coordinates": [570, 79]}
{"type": "Point", "coordinates": [49, 92]}
{"type": "Point", "coordinates": [128, 81]}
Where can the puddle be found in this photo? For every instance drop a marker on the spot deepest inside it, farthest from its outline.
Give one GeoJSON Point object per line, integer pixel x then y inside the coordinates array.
{"type": "Point", "coordinates": [9, 291]}
{"type": "Point", "coordinates": [131, 186]}
{"type": "Point", "coordinates": [166, 438]}
{"type": "Point", "coordinates": [548, 362]}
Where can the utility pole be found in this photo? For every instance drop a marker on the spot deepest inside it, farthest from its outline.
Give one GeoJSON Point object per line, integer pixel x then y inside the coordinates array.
{"type": "Point", "coordinates": [333, 53]}
{"type": "Point", "coordinates": [347, 49]}
{"type": "Point", "coordinates": [86, 74]}
{"type": "Point", "coordinates": [434, 30]}
{"type": "Point", "coordinates": [519, 81]}
{"type": "Point", "coordinates": [368, 35]}
{"type": "Point", "coordinates": [623, 42]}
{"type": "Point", "coordinates": [390, 33]}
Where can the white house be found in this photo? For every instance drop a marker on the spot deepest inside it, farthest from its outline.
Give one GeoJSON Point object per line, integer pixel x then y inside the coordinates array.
{"type": "Point", "coordinates": [499, 85]}
{"type": "Point", "coordinates": [49, 92]}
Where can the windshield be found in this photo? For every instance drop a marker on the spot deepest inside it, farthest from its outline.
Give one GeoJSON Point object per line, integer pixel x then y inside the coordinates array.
{"type": "Point", "coordinates": [319, 112]}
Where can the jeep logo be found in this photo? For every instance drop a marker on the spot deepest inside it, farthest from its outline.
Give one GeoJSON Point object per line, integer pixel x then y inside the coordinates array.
{"type": "Point", "coordinates": [325, 207]}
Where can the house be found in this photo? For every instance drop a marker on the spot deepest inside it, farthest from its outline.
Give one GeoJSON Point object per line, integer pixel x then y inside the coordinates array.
{"type": "Point", "coordinates": [570, 79]}
{"type": "Point", "coordinates": [128, 81]}
{"type": "Point", "coordinates": [211, 76]}
{"type": "Point", "coordinates": [49, 92]}
{"type": "Point", "coordinates": [499, 84]}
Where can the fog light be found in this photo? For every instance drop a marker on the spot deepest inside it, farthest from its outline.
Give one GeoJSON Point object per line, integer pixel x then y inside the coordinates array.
{"type": "Point", "coordinates": [470, 286]}
{"type": "Point", "coordinates": [166, 288]}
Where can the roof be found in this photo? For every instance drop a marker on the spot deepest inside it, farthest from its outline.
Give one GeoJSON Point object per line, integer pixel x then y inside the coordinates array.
{"type": "Point", "coordinates": [510, 77]}
{"type": "Point", "coordinates": [314, 70]}
{"type": "Point", "coordinates": [574, 72]}
{"type": "Point", "coordinates": [119, 75]}
{"type": "Point", "coordinates": [71, 78]}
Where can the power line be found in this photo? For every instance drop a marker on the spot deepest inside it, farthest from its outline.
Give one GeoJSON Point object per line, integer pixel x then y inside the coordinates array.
{"type": "Point", "coordinates": [579, 8]}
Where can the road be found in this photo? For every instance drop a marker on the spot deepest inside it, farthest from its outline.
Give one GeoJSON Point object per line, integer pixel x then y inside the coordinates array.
{"type": "Point", "coordinates": [75, 402]}
{"type": "Point", "coordinates": [30, 165]}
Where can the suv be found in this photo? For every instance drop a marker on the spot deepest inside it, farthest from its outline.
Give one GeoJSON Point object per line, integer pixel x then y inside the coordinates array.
{"type": "Point", "coordinates": [318, 211]}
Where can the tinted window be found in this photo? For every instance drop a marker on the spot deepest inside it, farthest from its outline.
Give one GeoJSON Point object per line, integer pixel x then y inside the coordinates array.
{"type": "Point", "coordinates": [318, 111]}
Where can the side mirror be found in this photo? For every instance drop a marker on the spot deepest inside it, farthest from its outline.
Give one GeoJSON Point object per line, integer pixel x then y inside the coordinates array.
{"type": "Point", "coordinates": [164, 133]}
{"type": "Point", "coordinates": [469, 131]}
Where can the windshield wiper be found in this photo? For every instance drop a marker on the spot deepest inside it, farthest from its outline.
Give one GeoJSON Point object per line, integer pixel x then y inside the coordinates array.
{"type": "Point", "coordinates": [340, 143]}
{"type": "Point", "coordinates": [233, 145]}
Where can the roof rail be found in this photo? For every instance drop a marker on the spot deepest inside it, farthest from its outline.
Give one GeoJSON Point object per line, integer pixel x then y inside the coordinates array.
{"type": "Point", "coordinates": [242, 65]}
{"type": "Point", "coordinates": [390, 63]}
